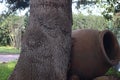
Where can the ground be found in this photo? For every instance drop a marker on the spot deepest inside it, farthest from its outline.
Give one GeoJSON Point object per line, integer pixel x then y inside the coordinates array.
{"type": "Point", "coordinates": [8, 57]}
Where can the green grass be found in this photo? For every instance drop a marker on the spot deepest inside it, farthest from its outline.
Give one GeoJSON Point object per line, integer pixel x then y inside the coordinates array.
{"type": "Point", "coordinates": [6, 69]}
{"type": "Point", "coordinates": [8, 50]}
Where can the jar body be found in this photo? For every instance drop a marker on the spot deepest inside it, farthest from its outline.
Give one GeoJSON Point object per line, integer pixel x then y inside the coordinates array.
{"type": "Point", "coordinates": [90, 55]}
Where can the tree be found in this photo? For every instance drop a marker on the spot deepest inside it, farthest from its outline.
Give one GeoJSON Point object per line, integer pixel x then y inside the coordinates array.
{"type": "Point", "coordinates": [46, 44]}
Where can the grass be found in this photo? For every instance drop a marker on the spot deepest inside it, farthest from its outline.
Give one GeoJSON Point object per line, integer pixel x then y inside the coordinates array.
{"type": "Point", "coordinates": [8, 50]}
{"type": "Point", "coordinates": [6, 69]}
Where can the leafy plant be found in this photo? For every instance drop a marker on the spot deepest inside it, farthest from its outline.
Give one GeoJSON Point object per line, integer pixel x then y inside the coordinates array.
{"type": "Point", "coordinates": [113, 72]}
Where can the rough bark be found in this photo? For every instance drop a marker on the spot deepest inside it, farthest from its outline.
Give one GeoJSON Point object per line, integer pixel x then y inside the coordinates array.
{"type": "Point", "coordinates": [46, 44]}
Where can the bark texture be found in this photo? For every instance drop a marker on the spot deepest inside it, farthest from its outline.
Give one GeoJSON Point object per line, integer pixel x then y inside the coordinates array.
{"type": "Point", "coordinates": [46, 44]}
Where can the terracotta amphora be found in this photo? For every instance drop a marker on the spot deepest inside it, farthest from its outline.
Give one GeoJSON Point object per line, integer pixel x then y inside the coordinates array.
{"type": "Point", "coordinates": [93, 53]}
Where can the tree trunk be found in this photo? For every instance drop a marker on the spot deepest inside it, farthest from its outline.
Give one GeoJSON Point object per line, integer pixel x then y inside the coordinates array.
{"type": "Point", "coordinates": [46, 43]}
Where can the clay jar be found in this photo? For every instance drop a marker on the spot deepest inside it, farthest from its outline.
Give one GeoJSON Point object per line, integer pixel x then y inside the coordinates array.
{"type": "Point", "coordinates": [93, 53]}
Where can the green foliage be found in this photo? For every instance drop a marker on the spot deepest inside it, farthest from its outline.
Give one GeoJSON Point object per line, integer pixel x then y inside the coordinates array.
{"type": "Point", "coordinates": [17, 4]}
{"type": "Point", "coordinates": [109, 11]}
{"type": "Point", "coordinates": [113, 72]}
{"type": "Point", "coordinates": [91, 22]}
{"type": "Point", "coordinates": [6, 69]}
{"type": "Point", "coordinates": [26, 19]}
{"type": "Point", "coordinates": [4, 37]}
{"type": "Point", "coordinates": [10, 30]}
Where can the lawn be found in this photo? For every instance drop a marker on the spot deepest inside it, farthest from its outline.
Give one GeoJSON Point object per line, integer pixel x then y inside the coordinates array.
{"type": "Point", "coordinates": [6, 69]}
{"type": "Point", "coordinates": [8, 50]}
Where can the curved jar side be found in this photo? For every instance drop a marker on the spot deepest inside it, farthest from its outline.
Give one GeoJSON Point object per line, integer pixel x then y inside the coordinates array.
{"type": "Point", "coordinates": [90, 57]}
